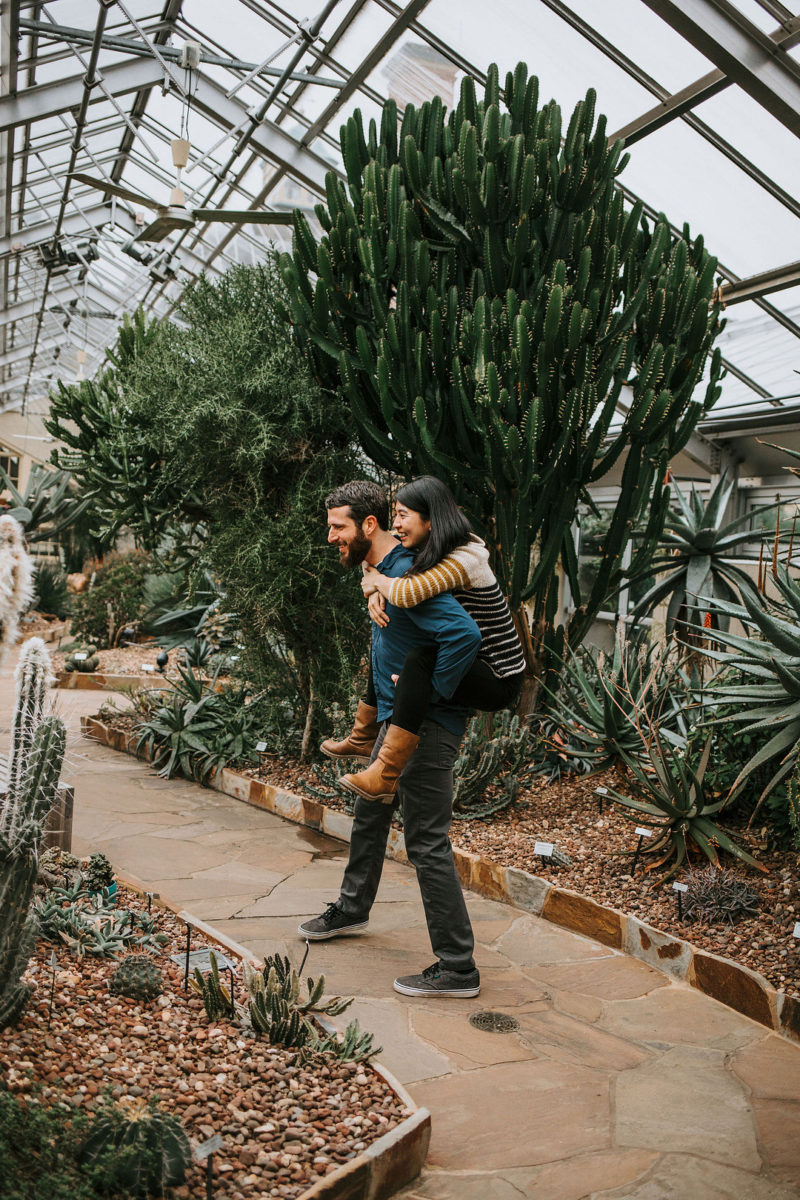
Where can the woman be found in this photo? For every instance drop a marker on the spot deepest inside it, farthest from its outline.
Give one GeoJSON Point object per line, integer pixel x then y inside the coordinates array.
{"type": "Point", "coordinates": [449, 557]}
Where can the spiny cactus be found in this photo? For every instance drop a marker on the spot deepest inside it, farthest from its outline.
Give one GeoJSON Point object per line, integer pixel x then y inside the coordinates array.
{"type": "Point", "coordinates": [88, 662]}
{"type": "Point", "coordinates": [21, 824]}
{"type": "Point", "coordinates": [355, 1045]}
{"type": "Point", "coordinates": [483, 760]}
{"type": "Point", "coordinates": [32, 678]}
{"type": "Point", "coordinates": [138, 978]}
{"type": "Point", "coordinates": [482, 295]}
{"type": "Point", "coordinates": [143, 1151]}
{"type": "Point", "coordinates": [16, 581]}
{"type": "Point", "coordinates": [215, 996]}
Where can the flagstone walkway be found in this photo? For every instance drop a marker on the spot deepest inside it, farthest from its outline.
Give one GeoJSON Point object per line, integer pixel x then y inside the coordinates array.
{"type": "Point", "coordinates": [618, 1082]}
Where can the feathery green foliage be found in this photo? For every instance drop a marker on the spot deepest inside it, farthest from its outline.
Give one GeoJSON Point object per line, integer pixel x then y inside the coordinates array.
{"type": "Point", "coordinates": [481, 295]}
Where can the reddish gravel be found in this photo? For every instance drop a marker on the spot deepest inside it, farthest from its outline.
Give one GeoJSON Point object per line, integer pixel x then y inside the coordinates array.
{"type": "Point", "coordinates": [283, 1126]}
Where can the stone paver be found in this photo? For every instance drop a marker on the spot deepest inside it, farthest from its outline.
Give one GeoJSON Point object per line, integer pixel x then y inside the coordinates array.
{"type": "Point", "coordinates": [620, 1083]}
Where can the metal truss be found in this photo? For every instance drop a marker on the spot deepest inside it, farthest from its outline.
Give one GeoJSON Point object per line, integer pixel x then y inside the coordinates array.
{"type": "Point", "coordinates": [102, 111]}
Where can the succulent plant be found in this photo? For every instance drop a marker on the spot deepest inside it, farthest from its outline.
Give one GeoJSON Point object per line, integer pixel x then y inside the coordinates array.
{"type": "Point", "coordinates": [142, 1150]}
{"type": "Point", "coordinates": [16, 581]}
{"type": "Point", "coordinates": [99, 874]}
{"type": "Point", "coordinates": [138, 978]}
{"type": "Point", "coordinates": [354, 1045]}
{"type": "Point", "coordinates": [215, 996]}
{"type": "Point", "coordinates": [717, 896]}
{"type": "Point", "coordinates": [483, 760]}
{"type": "Point", "coordinates": [82, 658]}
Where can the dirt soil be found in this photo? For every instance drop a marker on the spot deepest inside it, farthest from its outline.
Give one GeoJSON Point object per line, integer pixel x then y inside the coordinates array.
{"type": "Point", "coordinates": [284, 1125]}
{"type": "Point", "coordinates": [601, 846]}
{"type": "Point", "coordinates": [125, 660]}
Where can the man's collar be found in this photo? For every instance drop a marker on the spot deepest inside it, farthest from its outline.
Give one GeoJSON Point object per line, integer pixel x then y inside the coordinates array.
{"type": "Point", "coordinates": [397, 549]}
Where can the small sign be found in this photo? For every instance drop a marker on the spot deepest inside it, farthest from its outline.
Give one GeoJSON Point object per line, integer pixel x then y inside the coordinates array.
{"type": "Point", "coordinates": [601, 791]}
{"type": "Point", "coordinates": [53, 960]}
{"type": "Point", "coordinates": [260, 747]}
{"type": "Point", "coordinates": [81, 657]}
{"type": "Point", "coordinates": [200, 958]}
{"type": "Point", "coordinates": [796, 930]}
{"type": "Point", "coordinates": [680, 887]}
{"type": "Point", "coordinates": [642, 832]}
{"type": "Point", "coordinates": [148, 667]}
{"type": "Point", "coordinates": [545, 849]}
{"type": "Point", "coordinates": [206, 1148]}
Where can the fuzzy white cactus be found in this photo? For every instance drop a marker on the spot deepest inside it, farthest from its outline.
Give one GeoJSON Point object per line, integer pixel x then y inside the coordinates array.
{"type": "Point", "coordinates": [16, 582]}
{"type": "Point", "coordinates": [33, 676]}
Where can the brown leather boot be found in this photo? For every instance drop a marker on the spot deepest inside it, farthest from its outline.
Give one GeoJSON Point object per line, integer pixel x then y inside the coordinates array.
{"type": "Point", "coordinates": [379, 781]}
{"type": "Point", "coordinates": [360, 742]}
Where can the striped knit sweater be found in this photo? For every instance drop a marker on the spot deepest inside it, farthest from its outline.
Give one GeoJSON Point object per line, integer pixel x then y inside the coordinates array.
{"type": "Point", "coordinates": [466, 573]}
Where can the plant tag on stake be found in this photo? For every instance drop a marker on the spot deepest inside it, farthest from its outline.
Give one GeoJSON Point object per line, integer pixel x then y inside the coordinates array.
{"type": "Point", "coordinates": [601, 793]}
{"type": "Point", "coordinates": [680, 889]}
{"type": "Point", "coordinates": [148, 667]}
{"type": "Point", "coordinates": [545, 849]}
{"type": "Point", "coordinates": [260, 747]}
{"type": "Point", "coordinates": [642, 832]}
{"type": "Point", "coordinates": [82, 657]}
{"type": "Point", "coordinates": [796, 930]}
{"type": "Point", "coordinates": [210, 1147]}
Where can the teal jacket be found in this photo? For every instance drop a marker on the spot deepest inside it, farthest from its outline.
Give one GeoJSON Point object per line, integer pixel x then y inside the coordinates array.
{"type": "Point", "coordinates": [440, 621]}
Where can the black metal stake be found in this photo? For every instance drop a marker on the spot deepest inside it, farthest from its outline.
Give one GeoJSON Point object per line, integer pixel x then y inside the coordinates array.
{"type": "Point", "coordinates": [209, 1176]}
{"type": "Point", "coordinates": [305, 956]}
{"type": "Point", "coordinates": [636, 855]}
{"type": "Point", "coordinates": [149, 902]}
{"type": "Point", "coordinates": [600, 805]}
{"type": "Point", "coordinates": [188, 946]}
{"type": "Point", "coordinates": [680, 905]}
{"type": "Point", "coordinates": [233, 994]}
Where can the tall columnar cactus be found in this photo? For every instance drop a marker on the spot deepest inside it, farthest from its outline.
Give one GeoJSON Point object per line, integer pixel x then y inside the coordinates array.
{"type": "Point", "coordinates": [32, 678]}
{"type": "Point", "coordinates": [496, 315]}
{"type": "Point", "coordinates": [16, 582]}
{"type": "Point", "coordinates": [21, 823]}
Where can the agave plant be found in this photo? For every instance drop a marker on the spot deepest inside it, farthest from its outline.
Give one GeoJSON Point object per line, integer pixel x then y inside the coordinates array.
{"type": "Point", "coordinates": [47, 506]}
{"type": "Point", "coordinates": [692, 552]}
{"type": "Point", "coordinates": [604, 706]}
{"type": "Point", "coordinates": [672, 800]}
{"type": "Point", "coordinates": [769, 697]}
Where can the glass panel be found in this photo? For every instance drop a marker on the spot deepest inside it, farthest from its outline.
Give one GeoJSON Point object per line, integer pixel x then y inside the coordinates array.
{"type": "Point", "coordinates": [646, 39]}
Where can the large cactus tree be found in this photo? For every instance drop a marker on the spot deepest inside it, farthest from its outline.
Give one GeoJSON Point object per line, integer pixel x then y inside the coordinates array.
{"type": "Point", "coordinates": [497, 315]}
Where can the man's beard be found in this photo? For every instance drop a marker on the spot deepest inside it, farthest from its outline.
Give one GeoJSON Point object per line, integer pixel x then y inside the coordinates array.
{"type": "Point", "coordinates": [357, 551]}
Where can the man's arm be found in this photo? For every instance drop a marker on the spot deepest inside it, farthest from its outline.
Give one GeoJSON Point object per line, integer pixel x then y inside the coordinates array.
{"type": "Point", "coordinates": [456, 635]}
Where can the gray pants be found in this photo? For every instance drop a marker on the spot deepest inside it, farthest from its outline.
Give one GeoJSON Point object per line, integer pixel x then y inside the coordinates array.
{"type": "Point", "coordinates": [425, 791]}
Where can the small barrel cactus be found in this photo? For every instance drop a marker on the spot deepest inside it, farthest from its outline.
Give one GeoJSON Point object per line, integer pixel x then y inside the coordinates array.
{"type": "Point", "coordinates": [138, 978]}
{"type": "Point", "coordinates": [75, 663]}
{"type": "Point", "coordinates": [142, 1150]}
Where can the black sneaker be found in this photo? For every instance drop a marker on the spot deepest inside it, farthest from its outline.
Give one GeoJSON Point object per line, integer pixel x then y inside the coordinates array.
{"type": "Point", "coordinates": [332, 923]}
{"type": "Point", "coordinates": [437, 981]}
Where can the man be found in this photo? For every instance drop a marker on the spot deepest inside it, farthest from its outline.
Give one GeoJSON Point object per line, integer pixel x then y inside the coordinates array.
{"type": "Point", "coordinates": [358, 519]}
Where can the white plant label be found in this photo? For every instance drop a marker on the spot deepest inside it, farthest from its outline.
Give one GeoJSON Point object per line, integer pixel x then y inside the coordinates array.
{"type": "Point", "coordinates": [680, 887]}
{"type": "Point", "coordinates": [601, 791]}
{"type": "Point", "coordinates": [642, 832]}
{"type": "Point", "coordinates": [206, 1148]}
{"type": "Point", "coordinates": [82, 657]}
{"type": "Point", "coordinates": [148, 667]}
{"type": "Point", "coordinates": [796, 930]}
{"type": "Point", "coordinates": [545, 849]}
{"type": "Point", "coordinates": [260, 747]}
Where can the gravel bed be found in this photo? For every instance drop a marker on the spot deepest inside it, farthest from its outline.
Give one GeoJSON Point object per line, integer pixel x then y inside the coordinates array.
{"type": "Point", "coordinates": [283, 1125]}
{"type": "Point", "coordinates": [601, 847]}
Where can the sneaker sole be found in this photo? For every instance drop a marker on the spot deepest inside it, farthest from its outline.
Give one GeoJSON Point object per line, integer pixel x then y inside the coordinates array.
{"type": "Point", "coordinates": [324, 937]}
{"type": "Point", "coordinates": [359, 758]}
{"type": "Point", "coordinates": [462, 993]}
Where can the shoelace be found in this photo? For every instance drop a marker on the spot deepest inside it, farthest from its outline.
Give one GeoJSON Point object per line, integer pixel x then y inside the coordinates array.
{"type": "Point", "coordinates": [432, 972]}
{"type": "Point", "coordinates": [331, 911]}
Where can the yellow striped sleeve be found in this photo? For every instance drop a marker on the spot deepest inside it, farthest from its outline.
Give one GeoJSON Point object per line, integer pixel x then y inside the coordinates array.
{"type": "Point", "coordinates": [411, 590]}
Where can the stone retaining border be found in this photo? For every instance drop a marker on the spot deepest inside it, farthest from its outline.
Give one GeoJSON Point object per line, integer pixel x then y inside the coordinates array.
{"type": "Point", "coordinates": [388, 1163]}
{"type": "Point", "coordinates": [100, 682]}
{"type": "Point", "coordinates": [736, 986]}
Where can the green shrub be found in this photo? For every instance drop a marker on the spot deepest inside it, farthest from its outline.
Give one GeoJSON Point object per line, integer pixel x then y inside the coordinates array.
{"type": "Point", "coordinates": [51, 591]}
{"type": "Point", "coordinates": [38, 1146]}
{"type": "Point", "coordinates": [115, 598]}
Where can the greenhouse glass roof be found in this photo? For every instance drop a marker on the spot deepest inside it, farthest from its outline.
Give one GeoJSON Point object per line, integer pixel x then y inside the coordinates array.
{"type": "Point", "coordinates": [706, 92]}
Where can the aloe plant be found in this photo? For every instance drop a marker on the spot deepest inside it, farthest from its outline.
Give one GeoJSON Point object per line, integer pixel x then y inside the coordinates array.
{"type": "Point", "coordinates": [481, 295]}
{"type": "Point", "coordinates": [671, 799]}
{"type": "Point", "coordinates": [605, 706]}
{"type": "Point", "coordinates": [47, 506]}
{"type": "Point", "coordinates": [769, 664]}
{"type": "Point", "coordinates": [692, 552]}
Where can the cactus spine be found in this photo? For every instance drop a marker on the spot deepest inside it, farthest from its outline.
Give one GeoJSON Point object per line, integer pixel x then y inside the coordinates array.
{"type": "Point", "coordinates": [16, 581]}
{"type": "Point", "coordinates": [37, 756]}
{"type": "Point", "coordinates": [526, 297]}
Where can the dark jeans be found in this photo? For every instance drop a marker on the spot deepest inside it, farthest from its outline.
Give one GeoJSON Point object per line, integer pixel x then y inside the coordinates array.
{"type": "Point", "coordinates": [425, 791]}
{"type": "Point", "coordinates": [480, 688]}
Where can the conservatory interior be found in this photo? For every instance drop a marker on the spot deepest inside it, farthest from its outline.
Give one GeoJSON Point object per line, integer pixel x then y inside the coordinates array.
{"type": "Point", "coordinates": [547, 254]}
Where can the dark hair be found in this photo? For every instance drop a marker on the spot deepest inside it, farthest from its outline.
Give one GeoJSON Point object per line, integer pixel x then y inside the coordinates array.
{"type": "Point", "coordinates": [364, 499]}
{"type": "Point", "coordinates": [434, 501]}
